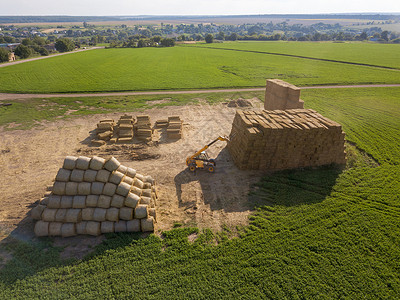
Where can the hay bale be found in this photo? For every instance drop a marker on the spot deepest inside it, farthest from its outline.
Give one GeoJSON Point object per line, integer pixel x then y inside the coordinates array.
{"type": "Point", "coordinates": [146, 192]}
{"type": "Point", "coordinates": [126, 213]}
{"type": "Point", "coordinates": [107, 227]}
{"type": "Point", "coordinates": [97, 163]}
{"type": "Point", "coordinates": [103, 175]}
{"type": "Point", "coordinates": [59, 188]}
{"type": "Point", "coordinates": [138, 183]}
{"type": "Point", "coordinates": [132, 200]}
{"type": "Point", "coordinates": [54, 201]}
{"type": "Point", "coordinates": [112, 214]}
{"type": "Point", "coordinates": [68, 229]}
{"type": "Point", "coordinates": [61, 215]}
{"type": "Point", "coordinates": [147, 225]}
{"type": "Point", "coordinates": [152, 212]}
{"type": "Point", "coordinates": [99, 214]}
{"type": "Point", "coordinates": [55, 228]}
{"type": "Point", "coordinates": [140, 177]}
{"type": "Point", "coordinates": [49, 214]}
{"type": "Point", "coordinates": [136, 191]}
{"type": "Point", "coordinates": [71, 188]}
{"type": "Point", "coordinates": [131, 172]}
{"type": "Point", "coordinates": [41, 228]}
{"type": "Point", "coordinates": [91, 200]}
{"type": "Point", "coordinates": [104, 201]}
{"type": "Point", "coordinates": [77, 175]}
{"type": "Point", "coordinates": [83, 163]}
{"type": "Point", "coordinates": [145, 200]}
{"type": "Point", "coordinates": [120, 226]}
{"type": "Point", "coordinates": [146, 186]}
{"type": "Point", "coordinates": [79, 202]}
{"type": "Point", "coordinates": [81, 227]}
{"type": "Point", "coordinates": [66, 201]}
{"type": "Point", "coordinates": [90, 175]}
{"type": "Point", "coordinates": [74, 215]}
{"type": "Point", "coordinates": [36, 212]}
{"type": "Point", "coordinates": [63, 175]}
{"type": "Point", "coordinates": [128, 180]}
{"type": "Point", "coordinates": [133, 225]}
{"type": "Point", "coordinates": [93, 228]}
{"type": "Point", "coordinates": [141, 211]}
{"type": "Point", "coordinates": [109, 189]}
{"type": "Point", "coordinates": [105, 136]}
{"type": "Point", "coordinates": [70, 162]}
{"type": "Point", "coordinates": [123, 189]}
{"type": "Point", "coordinates": [116, 177]}
{"type": "Point", "coordinates": [44, 201]}
{"type": "Point", "coordinates": [117, 201]}
{"type": "Point", "coordinates": [87, 214]}
{"type": "Point", "coordinates": [97, 188]}
{"type": "Point", "coordinates": [112, 164]}
{"type": "Point", "coordinates": [84, 188]}
{"type": "Point", "coordinates": [122, 169]}
{"type": "Point", "coordinates": [149, 179]}
{"type": "Point", "coordinates": [97, 143]}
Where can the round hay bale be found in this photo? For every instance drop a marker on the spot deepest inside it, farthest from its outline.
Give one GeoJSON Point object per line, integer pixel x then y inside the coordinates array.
{"type": "Point", "coordinates": [126, 213]}
{"type": "Point", "coordinates": [54, 201]}
{"type": "Point", "coordinates": [146, 186]}
{"type": "Point", "coordinates": [36, 212]}
{"type": "Point", "coordinates": [133, 225]}
{"type": "Point", "coordinates": [117, 201]}
{"type": "Point", "coordinates": [90, 175]}
{"type": "Point", "coordinates": [145, 200]}
{"type": "Point", "coordinates": [135, 190]}
{"type": "Point", "coordinates": [128, 180]}
{"type": "Point", "coordinates": [74, 215]}
{"type": "Point", "coordinates": [68, 229]}
{"type": "Point", "coordinates": [116, 177]}
{"type": "Point", "coordinates": [112, 214]}
{"type": "Point", "coordinates": [61, 215]}
{"type": "Point", "coordinates": [120, 226]}
{"type": "Point", "coordinates": [79, 202]}
{"type": "Point", "coordinates": [55, 228]}
{"type": "Point", "coordinates": [131, 172]}
{"type": "Point", "coordinates": [93, 228]}
{"type": "Point", "coordinates": [71, 188]}
{"type": "Point", "coordinates": [149, 179]}
{"type": "Point", "coordinates": [146, 193]}
{"type": "Point", "coordinates": [70, 162]}
{"type": "Point", "coordinates": [44, 201]}
{"type": "Point", "coordinates": [140, 177]}
{"type": "Point", "coordinates": [112, 164]}
{"type": "Point", "coordinates": [82, 163]}
{"type": "Point", "coordinates": [59, 188]}
{"type": "Point", "coordinates": [141, 211]}
{"type": "Point", "coordinates": [147, 225]}
{"type": "Point", "coordinates": [84, 188]}
{"type": "Point", "coordinates": [107, 227]}
{"type": "Point", "coordinates": [122, 169]}
{"type": "Point", "coordinates": [152, 212]}
{"type": "Point", "coordinates": [87, 214]}
{"type": "Point", "coordinates": [63, 175]}
{"type": "Point", "coordinates": [97, 163]}
{"type": "Point", "coordinates": [66, 201]}
{"type": "Point", "coordinates": [132, 200]}
{"type": "Point", "coordinates": [91, 200]}
{"type": "Point", "coordinates": [103, 176]}
{"type": "Point", "coordinates": [138, 183]}
{"type": "Point", "coordinates": [104, 201]}
{"type": "Point", "coordinates": [109, 189]}
{"type": "Point", "coordinates": [41, 228]}
{"type": "Point", "coordinates": [97, 188]}
{"type": "Point", "coordinates": [99, 214]}
{"type": "Point", "coordinates": [123, 189]}
{"type": "Point", "coordinates": [49, 214]}
{"type": "Point", "coordinates": [77, 175]}
{"type": "Point", "coordinates": [81, 227]}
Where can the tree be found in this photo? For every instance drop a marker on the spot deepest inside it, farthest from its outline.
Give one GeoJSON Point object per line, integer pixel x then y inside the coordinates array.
{"type": "Point", "coordinates": [167, 42]}
{"type": "Point", "coordinates": [27, 42]}
{"type": "Point", "coordinates": [23, 51]}
{"type": "Point", "coordinates": [64, 45]}
{"type": "Point", "coordinates": [363, 36]}
{"type": "Point", "coordinates": [232, 37]}
{"type": "Point", "coordinates": [220, 36]}
{"type": "Point", "coordinates": [3, 55]}
{"type": "Point", "coordinates": [385, 35]}
{"type": "Point", "coordinates": [209, 38]}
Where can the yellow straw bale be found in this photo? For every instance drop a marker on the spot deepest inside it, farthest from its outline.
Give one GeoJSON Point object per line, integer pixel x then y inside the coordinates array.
{"type": "Point", "coordinates": [133, 225]}
{"type": "Point", "coordinates": [99, 214]}
{"type": "Point", "coordinates": [63, 175]}
{"type": "Point", "coordinates": [132, 200]}
{"type": "Point", "coordinates": [61, 215]}
{"type": "Point", "coordinates": [68, 229]}
{"type": "Point", "coordinates": [141, 211]}
{"type": "Point", "coordinates": [120, 226]}
{"type": "Point", "coordinates": [37, 211]}
{"type": "Point", "coordinates": [41, 228]}
{"type": "Point", "coordinates": [147, 225]}
{"type": "Point", "coordinates": [104, 201]}
{"type": "Point", "coordinates": [112, 214]}
{"type": "Point", "coordinates": [107, 227]}
{"type": "Point", "coordinates": [70, 162]}
{"type": "Point", "coordinates": [97, 163]}
{"type": "Point", "coordinates": [112, 164]}
{"type": "Point", "coordinates": [117, 201]}
{"type": "Point", "coordinates": [91, 200]}
{"type": "Point", "coordinates": [87, 214]}
{"type": "Point", "coordinates": [74, 215]}
{"type": "Point", "coordinates": [49, 214]}
{"type": "Point", "coordinates": [93, 228]}
{"type": "Point", "coordinates": [79, 202]}
{"type": "Point", "coordinates": [59, 188]}
{"type": "Point", "coordinates": [126, 213]}
{"type": "Point", "coordinates": [66, 201]}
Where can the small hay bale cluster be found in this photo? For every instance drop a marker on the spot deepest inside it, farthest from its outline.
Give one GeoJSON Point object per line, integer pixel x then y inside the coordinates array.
{"type": "Point", "coordinates": [239, 103]}
{"type": "Point", "coordinates": [109, 131]}
{"type": "Point", "coordinates": [143, 128]}
{"type": "Point", "coordinates": [277, 140]}
{"type": "Point", "coordinates": [280, 95]}
{"type": "Point", "coordinates": [174, 128]}
{"type": "Point", "coordinates": [94, 196]}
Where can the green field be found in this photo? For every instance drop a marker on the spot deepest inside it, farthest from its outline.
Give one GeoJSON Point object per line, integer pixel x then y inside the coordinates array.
{"type": "Point", "coordinates": [188, 67]}
{"type": "Point", "coordinates": [318, 233]}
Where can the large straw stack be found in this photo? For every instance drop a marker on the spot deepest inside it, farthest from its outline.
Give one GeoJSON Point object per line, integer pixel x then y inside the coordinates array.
{"type": "Point", "coordinates": [124, 131]}
{"type": "Point", "coordinates": [94, 196]}
{"type": "Point", "coordinates": [174, 129]}
{"type": "Point", "coordinates": [282, 95]}
{"type": "Point", "coordinates": [143, 128]}
{"type": "Point", "coordinates": [276, 140]}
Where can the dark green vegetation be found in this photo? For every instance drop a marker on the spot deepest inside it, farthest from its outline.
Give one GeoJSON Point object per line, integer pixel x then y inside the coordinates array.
{"type": "Point", "coordinates": [317, 233]}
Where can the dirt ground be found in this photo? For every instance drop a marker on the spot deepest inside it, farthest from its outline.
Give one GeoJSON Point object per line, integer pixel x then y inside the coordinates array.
{"type": "Point", "coordinates": [30, 159]}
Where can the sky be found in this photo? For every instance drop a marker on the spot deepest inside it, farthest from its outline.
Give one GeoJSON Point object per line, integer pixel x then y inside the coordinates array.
{"type": "Point", "coordinates": [192, 7]}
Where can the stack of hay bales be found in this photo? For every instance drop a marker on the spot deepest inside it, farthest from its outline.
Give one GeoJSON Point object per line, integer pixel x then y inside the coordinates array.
{"type": "Point", "coordinates": [94, 196]}
{"type": "Point", "coordinates": [281, 95]}
{"type": "Point", "coordinates": [104, 131]}
{"type": "Point", "coordinates": [143, 128]}
{"type": "Point", "coordinates": [124, 130]}
{"type": "Point", "coordinates": [277, 140]}
{"type": "Point", "coordinates": [163, 123]}
{"type": "Point", "coordinates": [174, 129]}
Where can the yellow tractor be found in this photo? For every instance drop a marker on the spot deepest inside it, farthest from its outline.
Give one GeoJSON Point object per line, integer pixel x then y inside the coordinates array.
{"type": "Point", "coordinates": [200, 159]}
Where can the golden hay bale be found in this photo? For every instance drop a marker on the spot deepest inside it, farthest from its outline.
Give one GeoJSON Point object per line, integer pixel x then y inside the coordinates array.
{"type": "Point", "coordinates": [54, 201]}
{"type": "Point", "coordinates": [55, 228]}
{"type": "Point", "coordinates": [120, 226]}
{"type": "Point", "coordinates": [91, 200]}
{"type": "Point", "coordinates": [112, 164]}
{"type": "Point", "coordinates": [131, 172]}
{"type": "Point", "coordinates": [63, 175]}
{"type": "Point", "coordinates": [87, 214]}
{"type": "Point", "coordinates": [66, 201]}
{"type": "Point", "coordinates": [135, 190]}
{"type": "Point", "coordinates": [149, 179]}
{"type": "Point", "coordinates": [146, 186]}
{"type": "Point", "coordinates": [141, 211]}
{"type": "Point", "coordinates": [36, 212]}
{"type": "Point", "coordinates": [68, 229]}
{"type": "Point", "coordinates": [138, 183]}
{"type": "Point", "coordinates": [126, 213]}
{"type": "Point", "coordinates": [97, 163]}
{"type": "Point", "coordinates": [122, 169]}
{"type": "Point", "coordinates": [44, 201]}
{"type": "Point", "coordinates": [77, 175]}
{"type": "Point", "coordinates": [70, 162]}
{"type": "Point", "coordinates": [112, 214]}
{"type": "Point", "coordinates": [109, 189]}
{"type": "Point", "coordinates": [59, 188]}
{"type": "Point", "coordinates": [146, 192]}
{"type": "Point", "coordinates": [74, 215]}
{"type": "Point", "coordinates": [99, 214]}
{"type": "Point", "coordinates": [97, 188]}
{"type": "Point", "coordinates": [79, 202]}
{"type": "Point", "coordinates": [84, 188]}
{"type": "Point", "coordinates": [81, 227]}
{"type": "Point", "coordinates": [49, 214]}
{"type": "Point", "coordinates": [71, 188]}
{"type": "Point", "coordinates": [145, 200]}
{"type": "Point", "coordinates": [90, 175]}
{"type": "Point", "coordinates": [107, 227]}
{"type": "Point", "coordinates": [104, 201]}
{"type": "Point", "coordinates": [133, 225]}
{"type": "Point", "coordinates": [117, 201]}
{"type": "Point", "coordinates": [82, 163]}
{"type": "Point", "coordinates": [140, 177]}
{"type": "Point", "coordinates": [93, 228]}
{"type": "Point", "coordinates": [103, 175]}
{"type": "Point", "coordinates": [41, 228]}
{"type": "Point", "coordinates": [147, 225]}
{"type": "Point", "coordinates": [116, 177]}
{"type": "Point", "coordinates": [128, 180]}
{"type": "Point", "coordinates": [61, 215]}
{"type": "Point", "coordinates": [152, 212]}
{"type": "Point", "coordinates": [123, 189]}
{"type": "Point", "coordinates": [132, 200]}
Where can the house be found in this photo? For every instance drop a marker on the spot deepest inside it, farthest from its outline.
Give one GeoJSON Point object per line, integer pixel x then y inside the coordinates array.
{"type": "Point", "coordinates": [11, 56]}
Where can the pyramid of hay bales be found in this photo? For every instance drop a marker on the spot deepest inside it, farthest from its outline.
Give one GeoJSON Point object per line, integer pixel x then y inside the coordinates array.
{"type": "Point", "coordinates": [94, 196]}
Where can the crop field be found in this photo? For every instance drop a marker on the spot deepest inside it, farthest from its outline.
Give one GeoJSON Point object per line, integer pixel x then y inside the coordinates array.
{"type": "Point", "coordinates": [320, 233]}
{"type": "Point", "coordinates": [182, 68]}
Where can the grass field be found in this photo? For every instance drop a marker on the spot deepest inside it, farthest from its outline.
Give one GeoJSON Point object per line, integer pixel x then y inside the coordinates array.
{"type": "Point", "coordinates": [319, 233]}
{"type": "Point", "coordinates": [182, 68]}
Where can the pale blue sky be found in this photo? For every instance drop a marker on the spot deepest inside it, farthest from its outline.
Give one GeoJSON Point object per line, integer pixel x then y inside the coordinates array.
{"type": "Point", "coordinates": [191, 7]}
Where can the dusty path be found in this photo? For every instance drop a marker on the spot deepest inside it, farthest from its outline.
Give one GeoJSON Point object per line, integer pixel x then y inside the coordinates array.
{"type": "Point", "coordinates": [6, 96]}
